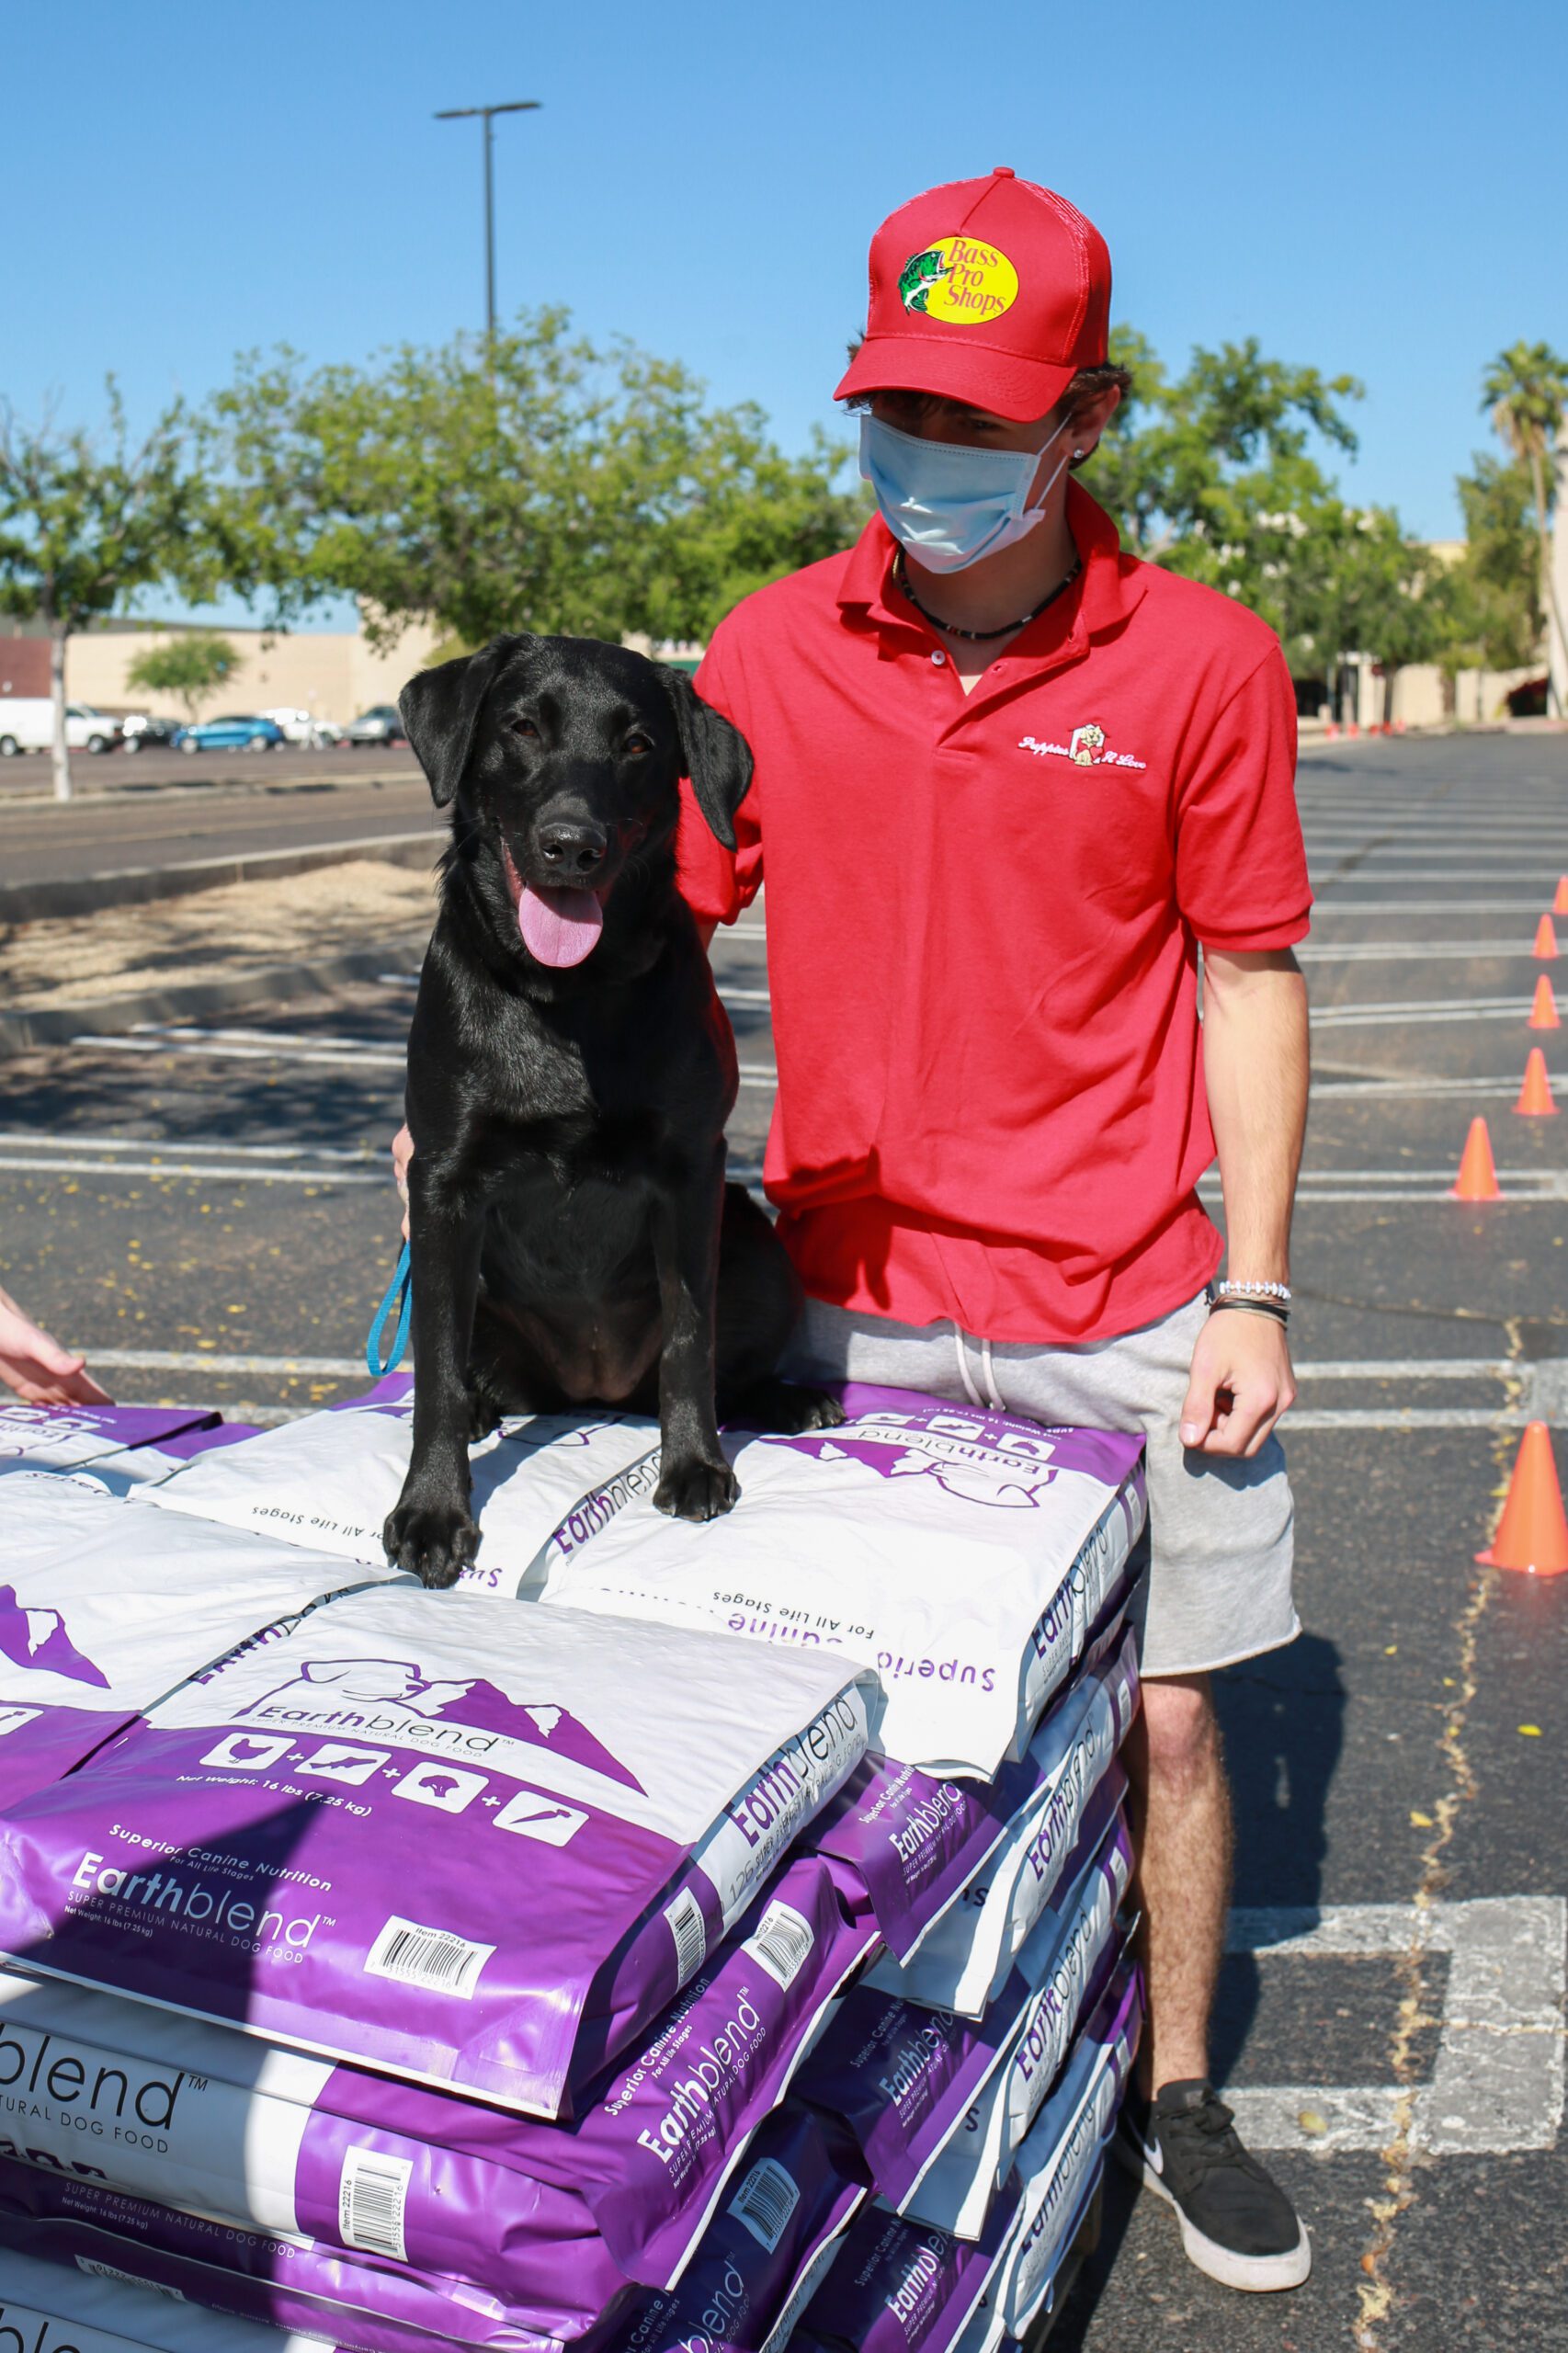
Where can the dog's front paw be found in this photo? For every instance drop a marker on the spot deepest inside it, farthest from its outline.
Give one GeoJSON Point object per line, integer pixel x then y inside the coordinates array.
{"type": "Point", "coordinates": [435, 1542]}
{"type": "Point", "coordinates": [696, 1490]}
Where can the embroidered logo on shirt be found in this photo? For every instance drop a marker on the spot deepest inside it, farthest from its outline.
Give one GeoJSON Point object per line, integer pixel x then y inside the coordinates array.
{"type": "Point", "coordinates": [1085, 747]}
{"type": "Point", "coordinates": [959, 280]}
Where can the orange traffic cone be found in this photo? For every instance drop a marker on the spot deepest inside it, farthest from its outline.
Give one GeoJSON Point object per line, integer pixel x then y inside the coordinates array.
{"type": "Point", "coordinates": [1546, 940]}
{"type": "Point", "coordinates": [1532, 1534]}
{"type": "Point", "coordinates": [1543, 1012]}
{"type": "Point", "coordinates": [1477, 1179]}
{"type": "Point", "coordinates": [1535, 1095]}
{"type": "Point", "coordinates": [1560, 903]}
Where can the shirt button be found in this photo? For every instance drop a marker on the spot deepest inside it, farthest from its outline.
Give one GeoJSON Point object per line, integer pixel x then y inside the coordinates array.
{"type": "Point", "coordinates": [939, 657]}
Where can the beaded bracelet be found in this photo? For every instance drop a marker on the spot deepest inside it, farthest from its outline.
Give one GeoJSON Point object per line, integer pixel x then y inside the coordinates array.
{"type": "Point", "coordinates": [1276, 1314]}
{"type": "Point", "coordinates": [1257, 1290]}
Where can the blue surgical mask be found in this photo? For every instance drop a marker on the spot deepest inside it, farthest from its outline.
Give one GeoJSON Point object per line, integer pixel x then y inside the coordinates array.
{"type": "Point", "coordinates": [947, 504]}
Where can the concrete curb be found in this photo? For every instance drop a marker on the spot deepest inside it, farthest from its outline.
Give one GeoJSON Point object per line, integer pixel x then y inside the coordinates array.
{"type": "Point", "coordinates": [262, 984]}
{"type": "Point", "coordinates": [138, 885]}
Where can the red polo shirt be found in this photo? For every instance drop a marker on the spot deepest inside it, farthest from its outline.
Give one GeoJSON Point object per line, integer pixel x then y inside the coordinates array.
{"type": "Point", "coordinates": [984, 915]}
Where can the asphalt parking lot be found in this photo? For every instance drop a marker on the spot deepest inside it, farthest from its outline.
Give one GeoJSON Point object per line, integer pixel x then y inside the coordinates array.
{"type": "Point", "coordinates": [205, 1208]}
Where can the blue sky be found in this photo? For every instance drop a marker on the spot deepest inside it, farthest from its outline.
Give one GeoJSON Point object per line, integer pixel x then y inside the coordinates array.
{"type": "Point", "coordinates": [1378, 188]}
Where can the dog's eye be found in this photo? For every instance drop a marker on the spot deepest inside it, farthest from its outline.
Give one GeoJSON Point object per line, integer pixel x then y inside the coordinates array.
{"type": "Point", "coordinates": [526, 729]}
{"type": "Point", "coordinates": [637, 747]}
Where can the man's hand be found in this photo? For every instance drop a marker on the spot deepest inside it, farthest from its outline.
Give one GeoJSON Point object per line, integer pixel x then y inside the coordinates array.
{"type": "Point", "coordinates": [1241, 1384]}
{"type": "Point", "coordinates": [403, 1152]}
{"type": "Point", "coordinates": [40, 1371]}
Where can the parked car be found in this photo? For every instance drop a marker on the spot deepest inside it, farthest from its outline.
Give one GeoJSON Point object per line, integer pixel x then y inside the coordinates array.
{"type": "Point", "coordinates": [382, 724]}
{"type": "Point", "coordinates": [144, 733]}
{"type": "Point", "coordinates": [304, 727]}
{"type": "Point", "coordinates": [27, 725]}
{"type": "Point", "coordinates": [247, 732]}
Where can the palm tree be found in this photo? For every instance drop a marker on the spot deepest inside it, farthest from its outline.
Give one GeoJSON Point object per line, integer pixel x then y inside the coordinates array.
{"type": "Point", "coordinates": [1526, 389]}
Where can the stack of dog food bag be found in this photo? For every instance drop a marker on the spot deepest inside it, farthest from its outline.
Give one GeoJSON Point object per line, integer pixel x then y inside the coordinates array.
{"type": "Point", "coordinates": [671, 1935]}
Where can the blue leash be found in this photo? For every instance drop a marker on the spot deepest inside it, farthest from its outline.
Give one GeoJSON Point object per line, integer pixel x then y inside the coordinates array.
{"type": "Point", "coordinates": [399, 1293]}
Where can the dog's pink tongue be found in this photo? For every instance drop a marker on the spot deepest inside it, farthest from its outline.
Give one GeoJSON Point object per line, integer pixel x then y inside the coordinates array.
{"type": "Point", "coordinates": [559, 927]}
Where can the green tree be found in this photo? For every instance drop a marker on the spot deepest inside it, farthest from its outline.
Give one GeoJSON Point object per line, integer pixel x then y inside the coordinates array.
{"type": "Point", "coordinates": [1525, 391]}
{"type": "Point", "coordinates": [534, 480]}
{"type": "Point", "coordinates": [1374, 591]}
{"type": "Point", "coordinates": [1492, 596]}
{"type": "Point", "coordinates": [83, 526]}
{"type": "Point", "coordinates": [188, 666]}
{"type": "Point", "coordinates": [1216, 474]}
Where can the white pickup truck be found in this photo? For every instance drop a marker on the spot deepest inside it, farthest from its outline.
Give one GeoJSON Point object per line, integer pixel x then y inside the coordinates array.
{"type": "Point", "coordinates": [27, 725]}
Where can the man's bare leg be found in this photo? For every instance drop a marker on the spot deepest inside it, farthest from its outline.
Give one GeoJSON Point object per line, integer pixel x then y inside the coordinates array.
{"type": "Point", "coordinates": [1236, 2224]}
{"type": "Point", "coordinates": [1181, 1819]}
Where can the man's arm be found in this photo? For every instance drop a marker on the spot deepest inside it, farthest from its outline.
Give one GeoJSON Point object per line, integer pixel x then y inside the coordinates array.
{"type": "Point", "coordinates": [1255, 1066]}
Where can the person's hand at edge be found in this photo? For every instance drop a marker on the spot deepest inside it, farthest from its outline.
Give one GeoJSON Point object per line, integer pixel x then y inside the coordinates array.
{"type": "Point", "coordinates": [35, 1365]}
{"type": "Point", "coordinates": [403, 1152]}
{"type": "Point", "coordinates": [1241, 1384]}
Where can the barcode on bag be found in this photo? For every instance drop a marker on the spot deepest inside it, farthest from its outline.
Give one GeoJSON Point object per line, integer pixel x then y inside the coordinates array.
{"type": "Point", "coordinates": [765, 2202]}
{"type": "Point", "coordinates": [782, 1943]}
{"type": "Point", "coordinates": [689, 1930]}
{"type": "Point", "coordinates": [370, 2200]}
{"type": "Point", "coordinates": [433, 1958]}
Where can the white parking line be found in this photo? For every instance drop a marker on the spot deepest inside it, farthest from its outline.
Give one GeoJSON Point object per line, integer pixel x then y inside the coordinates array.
{"type": "Point", "coordinates": [1377, 1089]}
{"type": "Point", "coordinates": [1407, 951]}
{"type": "Point", "coordinates": [208, 1171]}
{"type": "Point", "coordinates": [1417, 1017]}
{"type": "Point", "coordinates": [242, 1045]}
{"type": "Point", "coordinates": [1497, 2081]}
{"type": "Point", "coordinates": [1327, 905]}
{"type": "Point", "coordinates": [13, 1138]}
{"type": "Point", "coordinates": [212, 1360]}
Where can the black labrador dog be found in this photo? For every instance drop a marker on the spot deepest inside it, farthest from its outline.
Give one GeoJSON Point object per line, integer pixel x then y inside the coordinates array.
{"type": "Point", "coordinates": [570, 1072]}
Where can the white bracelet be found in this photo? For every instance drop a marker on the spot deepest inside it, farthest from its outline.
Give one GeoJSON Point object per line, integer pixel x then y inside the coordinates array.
{"type": "Point", "coordinates": [1258, 1290]}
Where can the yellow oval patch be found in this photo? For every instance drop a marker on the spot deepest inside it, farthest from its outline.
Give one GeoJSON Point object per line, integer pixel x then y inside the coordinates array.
{"type": "Point", "coordinates": [960, 279]}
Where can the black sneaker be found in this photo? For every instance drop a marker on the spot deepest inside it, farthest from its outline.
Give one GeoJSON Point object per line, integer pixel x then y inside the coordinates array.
{"type": "Point", "coordinates": [1236, 2224]}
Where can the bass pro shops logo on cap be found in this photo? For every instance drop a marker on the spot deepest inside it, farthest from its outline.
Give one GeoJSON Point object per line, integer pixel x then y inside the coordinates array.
{"type": "Point", "coordinates": [959, 279]}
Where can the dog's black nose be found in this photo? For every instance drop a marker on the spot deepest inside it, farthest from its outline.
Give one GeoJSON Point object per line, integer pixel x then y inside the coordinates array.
{"type": "Point", "coordinates": [574, 851]}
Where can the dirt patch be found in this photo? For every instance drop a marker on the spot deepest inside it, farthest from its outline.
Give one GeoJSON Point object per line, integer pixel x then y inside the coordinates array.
{"type": "Point", "coordinates": [217, 934]}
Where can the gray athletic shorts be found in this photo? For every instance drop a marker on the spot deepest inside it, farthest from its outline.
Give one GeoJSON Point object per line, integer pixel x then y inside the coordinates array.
{"type": "Point", "coordinates": [1219, 1581]}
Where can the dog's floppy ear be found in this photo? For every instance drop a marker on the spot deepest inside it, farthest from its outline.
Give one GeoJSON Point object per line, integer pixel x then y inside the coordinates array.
{"type": "Point", "coordinates": [714, 755]}
{"type": "Point", "coordinates": [440, 707]}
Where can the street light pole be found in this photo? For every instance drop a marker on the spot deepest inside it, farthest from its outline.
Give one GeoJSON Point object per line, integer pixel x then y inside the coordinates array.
{"type": "Point", "coordinates": [487, 114]}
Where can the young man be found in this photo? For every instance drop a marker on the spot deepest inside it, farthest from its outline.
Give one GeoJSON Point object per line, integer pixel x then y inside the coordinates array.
{"type": "Point", "coordinates": [1008, 782]}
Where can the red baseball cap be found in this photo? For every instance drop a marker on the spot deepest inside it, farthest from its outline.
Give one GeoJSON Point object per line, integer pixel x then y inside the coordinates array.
{"type": "Point", "coordinates": [992, 291]}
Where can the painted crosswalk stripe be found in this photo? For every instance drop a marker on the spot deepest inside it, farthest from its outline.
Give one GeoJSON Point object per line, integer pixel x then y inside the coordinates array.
{"type": "Point", "coordinates": [1496, 2083]}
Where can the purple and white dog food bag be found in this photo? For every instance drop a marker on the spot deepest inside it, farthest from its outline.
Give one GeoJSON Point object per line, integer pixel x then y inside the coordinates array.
{"type": "Point", "coordinates": [330, 1479]}
{"type": "Point", "coordinates": [355, 2302]}
{"type": "Point", "coordinates": [1059, 2167]}
{"type": "Point", "coordinates": [150, 1466]}
{"type": "Point", "coordinates": [938, 2104]}
{"type": "Point", "coordinates": [77, 2308]}
{"type": "Point", "coordinates": [914, 1842]}
{"type": "Point", "coordinates": [66, 1438]}
{"type": "Point", "coordinates": [965, 1553]}
{"type": "Point", "coordinates": [769, 2242]}
{"type": "Point", "coordinates": [900, 2287]}
{"type": "Point", "coordinates": [555, 2219]}
{"type": "Point", "coordinates": [961, 1963]}
{"type": "Point", "coordinates": [103, 1609]}
{"type": "Point", "coordinates": [1056, 1983]}
{"type": "Point", "coordinates": [464, 1846]}
{"type": "Point", "coordinates": [776, 2236]}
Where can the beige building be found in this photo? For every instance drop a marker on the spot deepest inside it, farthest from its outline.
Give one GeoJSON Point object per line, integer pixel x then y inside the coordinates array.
{"type": "Point", "coordinates": [332, 674]}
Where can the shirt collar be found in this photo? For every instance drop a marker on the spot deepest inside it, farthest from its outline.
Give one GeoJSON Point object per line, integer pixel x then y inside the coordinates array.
{"type": "Point", "coordinates": [1112, 583]}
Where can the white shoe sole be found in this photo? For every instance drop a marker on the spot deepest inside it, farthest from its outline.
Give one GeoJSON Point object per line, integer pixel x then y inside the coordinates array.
{"type": "Point", "coordinates": [1253, 2274]}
